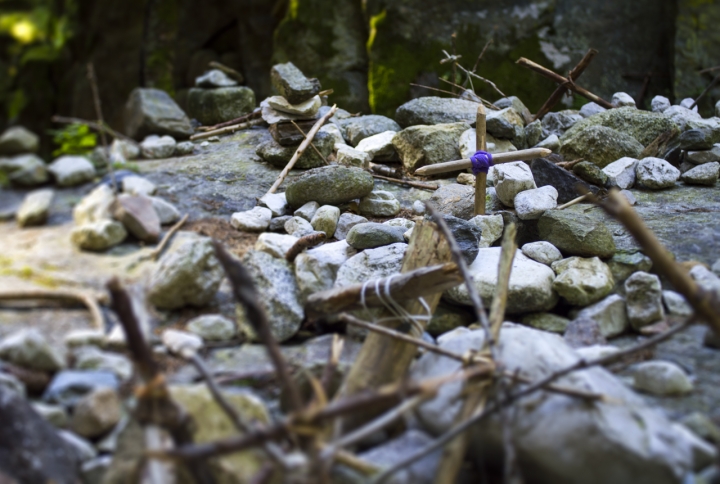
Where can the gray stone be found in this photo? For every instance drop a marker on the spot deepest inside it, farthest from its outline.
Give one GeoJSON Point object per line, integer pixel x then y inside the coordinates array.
{"type": "Point", "coordinates": [358, 128]}
{"type": "Point", "coordinates": [326, 220]}
{"type": "Point", "coordinates": [138, 216]}
{"type": "Point", "coordinates": [505, 124]}
{"type": "Point", "coordinates": [137, 185]}
{"type": "Point", "coordinates": [333, 131]}
{"type": "Point", "coordinates": [706, 174]}
{"type": "Point", "coordinates": [659, 104]}
{"type": "Point", "coordinates": [624, 263]}
{"type": "Point", "coordinates": [72, 170]}
{"type": "Point", "coordinates": [298, 227]}
{"type": "Point", "coordinates": [292, 84]}
{"type": "Point", "coordinates": [661, 378]}
{"type": "Point", "coordinates": [166, 211]}
{"type": "Point", "coordinates": [255, 220]}
{"type": "Point", "coordinates": [682, 116]}
{"type": "Point", "coordinates": [511, 179]}
{"type": "Point", "coordinates": [706, 156]}
{"type": "Point", "coordinates": [379, 146]}
{"type": "Point", "coordinates": [184, 148]}
{"type": "Point", "coordinates": [448, 317]}
{"type": "Point", "coordinates": [188, 274]}
{"type": "Point", "coordinates": [400, 222]}
{"type": "Point", "coordinates": [591, 173]}
{"type": "Point", "coordinates": [153, 111]}
{"type": "Point", "coordinates": [330, 185]}
{"type": "Point", "coordinates": [687, 103]}
{"type": "Point", "coordinates": [379, 203]}
{"type": "Point", "coordinates": [278, 294]}
{"type": "Point", "coordinates": [212, 327]}
{"type": "Point", "coordinates": [17, 140]}
{"type": "Point", "coordinates": [468, 144]}
{"type": "Point", "coordinates": [609, 314]}
{"type": "Point", "coordinates": [533, 133]}
{"type": "Point", "coordinates": [154, 146]}
{"type": "Point", "coordinates": [277, 245]}
{"type": "Point", "coordinates": [98, 236]}
{"type": "Point", "coordinates": [591, 109]}
{"type": "Point", "coordinates": [558, 123]}
{"type": "Point", "coordinates": [568, 185]}
{"type": "Point", "coordinates": [55, 414]}
{"type": "Point", "coordinates": [419, 207]}
{"type": "Point", "coordinates": [91, 358]}
{"type": "Point", "coordinates": [348, 156]}
{"type": "Point", "coordinates": [68, 386]}
{"type": "Point", "coordinates": [436, 110]}
{"type": "Point", "coordinates": [275, 202]}
{"type": "Point", "coordinates": [622, 99]}
{"type": "Point", "coordinates": [621, 173]}
{"type": "Point", "coordinates": [10, 382]}
{"type": "Point", "coordinates": [644, 299]}
{"type": "Point", "coordinates": [394, 451]}
{"type": "Point", "coordinates": [491, 227]}
{"type": "Point", "coordinates": [317, 268]}
{"type": "Point", "coordinates": [551, 143]}
{"type": "Point", "coordinates": [278, 223]}
{"type": "Point", "coordinates": [582, 333]}
{"type": "Point", "coordinates": [307, 211]}
{"type": "Point", "coordinates": [582, 281]}
{"type": "Point", "coordinates": [346, 222]}
{"type": "Point", "coordinates": [371, 235]}
{"type": "Point", "coordinates": [95, 206]}
{"type": "Point", "coordinates": [455, 199]}
{"type": "Point", "coordinates": [84, 337]}
{"type": "Point", "coordinates": [515, 103]}
{"type": "Point", "coordinates": [542, 252]}
{"type": "Point", "coordinates": [96, 413]}
{"type": "Point", "coordinates": [656, 173]}
{"type": "Point", "coordinates": [213, 106]}
{"type": "Point", "coordinates": [676, 304]}
{"type": "Point", "coordinates": [306, 109]}
{"type": "Point", "coordinates": [598, 144]}
{"type": "Point", "coordinates": [530, 287]}
{"type": "Point", "coordinates": [35, 208]}
{"type": "Point", "coordinates": [546, 322]}
{"type": "Point", "coordinates": [531, 204]}
{"type": "Point", "coordinates": [427, 145]}
{"type": "Point", "coordinates": [181, 343]}
{"type": "Point", "coordinates": [278, 155]}
{"type": "Point", "coordinates": [697, 139]}
{"type": "Point", "coordinates": [576, 234]}
{"type": "Point", "coordinates": [466, 234]}
{"type": "Point", "coordinates": [24, 170]}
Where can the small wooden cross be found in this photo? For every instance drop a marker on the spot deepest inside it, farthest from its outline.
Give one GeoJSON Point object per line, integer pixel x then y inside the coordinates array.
{"type": "Point", "coordinates": [481, 178]}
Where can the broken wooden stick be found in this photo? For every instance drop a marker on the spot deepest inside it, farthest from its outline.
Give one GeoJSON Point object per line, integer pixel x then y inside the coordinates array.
{"type": "Point", "coordinates": [499, 302]}
{"type": "Point", "coordinates": [226, 130]}
{"type": "Point", "coordinates": [707, 89]}
{"type": "Point", "coordinates": [409, 285]}
{"type": "Point", "coordinates": [89, 300]}
{"type": "Point", "coordinates": [560, 91]}
{"type": "Point", "coordinates": [301, 149]}
{"type": "Point", "coordinates": [242, 119]}
{"type": "Point", "coordinates": [572, 202]}
{"type": "Point", "coordinates": [457, 165]}
{"type": "Point", "coordinates": [565, 83]}
{"type": "Point", "coordinates": [407, 183]}
{"type": "Point", "coordinates": [157, 251]}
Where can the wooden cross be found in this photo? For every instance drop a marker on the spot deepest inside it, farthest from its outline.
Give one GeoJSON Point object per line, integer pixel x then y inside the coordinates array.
{"type": "Point", "coordinates": [481, 178]}
{"type": "Point", "coordinates": [565, 83]}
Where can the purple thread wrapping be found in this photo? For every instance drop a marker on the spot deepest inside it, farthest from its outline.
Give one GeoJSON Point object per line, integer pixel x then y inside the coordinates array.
{"type": "Point", "coordinates": [481, 162]}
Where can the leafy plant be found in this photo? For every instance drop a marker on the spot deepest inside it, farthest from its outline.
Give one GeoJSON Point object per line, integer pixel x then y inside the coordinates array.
{"type": "Point", "coordinates": [74, 139]}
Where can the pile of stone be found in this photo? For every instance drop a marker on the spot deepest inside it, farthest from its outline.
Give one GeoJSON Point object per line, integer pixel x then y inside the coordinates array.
{"type": "Point", "coordinates": [217, 98]}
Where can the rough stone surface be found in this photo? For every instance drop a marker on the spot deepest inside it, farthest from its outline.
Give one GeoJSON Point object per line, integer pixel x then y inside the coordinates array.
{"type": "Point", "coordinates": [98, 236]}
{"type": "Point", "coordinates": [24, 170]}
{"type": "Point", "coordinates": [591, 109]}
{"type": "Point", "coordinates": [188, 274]}
{"type": "Point", "coordinates": [317, 268]}
{"type": "Point", "coordinates": [307, 211]}
{"type": "Point", "coordinates": [347, 221]}
{"type": "Point", "coordinates": [558, 122]}
{"type": "Point", "coordinates": [379, 203]}
{"type": "Point", "coordinates": [676, 304]}
{"type": "Point", "coordinates": [153, 111]}
{"type": "Point", "coordinates": [212, 327]}
{"type": "Point", "coordinates": [307, 108]}
{"type": "Point", "coordinates": [543, 252]}
{"type": "Point", "coordinates": [622, 99]}
{"type": "Point", "coordinates": [17, 140]}
{"type": "Point", "coordinates": [138, 216]}
{"type": "Point", "coordinates": [530, 288]}
{"type": "Point", "coordinates": [427, 145]}
{"type": "Point", "coordinates": [154, 146]}
{"type": "Point", "coordinates": [371, 264]}
{"type": "Point", "coordinates": [96, 413]}
{"type": "Point", "coordinates": [598, 144]}
{"type": "Point", "coordinates": [35, 208]}
{"type": "Point", "coordinates": [326, 219]}
{"type": "Point", "coordinates": [643, 126]}
{"type": "Point", "coordinates": [506, 123]}
{"type": "Point", "coordinates": [28, 348]}
{"type": "Point", "coordinates": [546, 173]}
{"type": "Point", "coordinates": [379, 146]}
{"type": "Point", "coordinates": [621, 173]}
{"type": "Point", "coordinates": [72, 170]}
{"type": "Point", "coordinates": [659, 104]}
{"type": "Point", "coordinates": [436, 110]}
{"type": "Point", "coordinates": [656, 174]}
{"type": "Point", "coordinates": [358, 128]}
{"type": "Point", "coordinates": [624, 263]}
{"type": "Point", "coordinates": [467, 235]}
{"type": "Point", "coordinates": [279, 156]}
{"type": "Point", "coordinates": [491, 227]}
{"type": "Point", "coordinates": [591, 173]}
{"type": "Point", "coordinates": [511, 179]}
{"type": "Point", "coordinates": [706, 174]}
{"type": "Point", "coordinates": [298, 226]}
{"type": "Point", "coordinates": [609, 314]}
{"type": "Point", "coordinates": [213, 106]}
{"type": "Point", "coordinates": [576, 234]}
{"type": "Point", "coordinates": [582, 281]}
{"type": "Point", "coordinates": [254, 220]}
{"type": "Point", "coordinates": [331, 185]}
{"type": "Point", "coordinates": [349, 156]}
{"type": "Point", "coordinates": [275, 202]}
{"type": "Point", "coordinates": [370, 235]}
{"type": "Point", "coordinates": [278, 294]}
{"type": "Point", "coordinates": [292, 84]}
{"type": "Point", "coordinates": [644, 299]}
{"type": "Point", "coordinates": [546, 322]}
{"type": "Point", "coordinates": [531, 204]}
{"type": "Point", "coordinates": [276, 245]}
{"type": "Point", "coordinates": [455, 199]}
{"type": "Point", "coordinates": [661, 378]}
{"type": "Point", "coordinates": [166, 211]}
{"type": "Point", "coordinates": [582, 333]}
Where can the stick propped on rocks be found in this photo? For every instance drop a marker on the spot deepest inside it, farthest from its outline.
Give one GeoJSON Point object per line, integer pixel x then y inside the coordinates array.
{"type": "Point", "coordinates": [301, 149]}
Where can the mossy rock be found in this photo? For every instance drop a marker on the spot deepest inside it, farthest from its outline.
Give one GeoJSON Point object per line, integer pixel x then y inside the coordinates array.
{"type": "Point", "coordinates": [644, 126]}
{"type": "Point", "coordinates": [427, 145]}
{"type": "Point", "coordinates": [213, 106]}
{"type": "Point", "coordinates": [576, 234]}
{"type": "Point", "coordinates": [329, 185]}
{"type": "Point", "coordinates": [599, 145]}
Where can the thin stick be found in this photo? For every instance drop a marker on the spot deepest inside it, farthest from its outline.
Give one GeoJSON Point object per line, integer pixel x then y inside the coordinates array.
{"type": "Point", "coordinates": [85, 298]}
{"type": "Point", "coordinates": [227, 129]}
{"type": "Point", "coordinates": [311, 143]}
{"type": "Point", "coordinates": [92, 124]}
{"type": "Point", "coordinates": [560, 91]}
{"type": "Point", "coordinates": [480, 144]}
{"type": "Point", "coordinates": [477, 62]}
{"type": "Point", "coordinates": [166, 239]}
{"type": "Point", "coordinates": [301, 149]}
{"type": "Point", "coordinates": [101, 122]}
{"type": "Point", "coordinates": [241, 119]}
{"type": "Point", "coordinates": [499, 302]}
{"type": "Point", "coordinates": [407, 183]}
{"type": "Point", "coordinates": [709, 69]}
{"type": "Point", "coordinates": [305, 242]}
{"type": "Point", "coordinates": [457, 165]}
{"type": "Point", "coordinates": [469, 73]}
{"type": "Point", "coordinates": [572, 202]}
{"type": "Point", "coordinates": [707, 89]}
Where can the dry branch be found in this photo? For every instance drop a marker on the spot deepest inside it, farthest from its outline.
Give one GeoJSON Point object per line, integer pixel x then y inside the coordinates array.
{"type": "Point", "coordinates": [562, 89]}
{"type": "Point", "coordinates": [244, 118]}
{"type": "Point", "coordinates": [89, 300]}
{"type": "Point", "coordinates": [157, 251]}
{"type": "Point", "coordinates": [407, 183]}
{"type": "Point", "coordinates": [226, 130]}
{"type": "Point", "coordinates": [312, 145]}
{"type": "Point", "coordinates": [305, 242]}
{"type": "Point", "coordinates": [499, 302]}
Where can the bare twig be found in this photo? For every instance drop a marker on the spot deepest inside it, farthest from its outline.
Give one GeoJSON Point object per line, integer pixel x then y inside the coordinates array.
{"type": "Point", "coordinates": [305, 242]}
{"type": "Point", "coordinates": [499, 302]}
{"type": "Point", "coordinates": [572, 202]}
{"type": "Point", "coordinates": [473, 74]}
{"type": "Point", "coordinates": [227, 129]}
{"type": "Point", "coordinates": [482, 53]}
{"type": "Point", "coordinates": [707, 89]}
{"type": "Point", "coordinates": [330, 369]}
{"type": "Point", "coordinates": [242, 119]}
{"type": "Point", "coordinates": [157, 251]}
{"type": "Point", "coordinates": [407, 183]}
{"type": "Point", "coordinates": [312, 145]}
{"type": "Point", "coordinates": [98, 111]}
{"type": "Point", "coordinates": [89, 300]}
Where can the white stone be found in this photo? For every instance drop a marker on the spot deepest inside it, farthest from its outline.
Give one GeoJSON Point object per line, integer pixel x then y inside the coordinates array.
{"type": "Point", "coordinates": [644, 299]}
{"type": "Point", "coordinates": [35, 207]}
{"type": "Point", "coordinates": [609, 314]}
{"type": "Point", "coordinates": [28, 348]}
{"type": "Point", "coordinates": [660, 104]}
{"type": "Point", "coordinates": [400, 222]}
{"type": "Point", "coordinates": [98, 236]}
{"type": "Point", "coordinates": [687, 102]}
{"type": "Point", "coordinates": [254, 220]}
{"type": "Point", "coordinates": [621, 173]}
{"type": "Point", "coordinates": [705, 174]}
{"type": "Point", "coordinates": [596, 351]}
{"type": "Point", "coordinates": [166, 211]}
{"type": "Point", "coordinates": [214, 78]}
{"type": "Point", "coordinates": [123, 150]}
{"type": "Point", "coordinates": [378, 146]}
{"type": "Point", "coordinates": [347, 221]}
{"type": "Point", "coordinates": [676, 303]}
{"type": "Point", "coordinates": [305, 108]}
{"type": "Point", "coordinates": [95, 206]}
{"type": "Point", "coordinates": [681, 116]}
{"type": "Point", "coordinates": [379, 203]}
{"type": "Point", "coordinates": [582, 281]}
{"type": "Point", "coordinates": [468, 144]}
{"type": "Point", "coordinates": [181, 342]}
{"type": "Point", "coordinates": [511, 179]}
{"type": "Point", "coordinates": [419, 207]}
{"type": "Point", "coordinates": [371, 264]}
{"type": "Point", "coordinates": [590, 109]}
{"type": "Point", "coordinates": [72, 170]}
{"type": "Point", "coordinates": [91, 358]}
{"type": "Point", "coordinates": [717, 109]}
{"type": "Point", "coordinates": [492, 227]}
{"type": "Point", "coordinates": [531, 204]}
{"type": "Point", "coordinates": [307, 211]}
{"type": "Point", "coordinates": [333, 131]}
{"type": "Point", "coordinates": [275, 202]}
{"type": "Point", "coordinates": [551, 143]}
{"type": "Point", "coordinates": [155, 147]}
{"type": "Point", "coordinates": [543, 252]}
{"type": "Point", "coordinates": [559, 438]}
{"type": "Point", "coordinates": [661, 378]}
{"type": "Point", "coordinates": [326, 220]}
{"type": "Point", "coordinates": [277, 245]}
{"type": "Point", "coordinates": [656, 173]}
{"type": "Point", "coordinates": [137, 185]}
{"type": "Point", "coordinates": [349, 156]}
{"type": "Point", "coordinates": [621, 99]}
{"type": "Point", "coordinates": [212, 327]}
{"type": "Point", "coordinates": [316, 269]}
{"type": "Point", "coordinates": [298, 227]}
{"type": "Point", "coordinates": [707, 279]}
{"type": "Point", "coordinates": [530, 287]}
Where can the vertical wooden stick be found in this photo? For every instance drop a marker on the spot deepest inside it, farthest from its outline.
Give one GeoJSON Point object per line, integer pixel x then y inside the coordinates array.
{"type": "Point", "coordinates": [480, 178]}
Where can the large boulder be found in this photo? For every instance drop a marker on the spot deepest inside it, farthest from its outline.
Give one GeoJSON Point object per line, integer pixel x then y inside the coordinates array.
{"type": "Point", "coordinates": [153, 111]}
{"type": "Point", "coordinates": [427, 145]}
{"type": "Point", "coordinates": [644, 126]}
{"type": "Point", "coordinates": [575, 233]}
{"type": "Point", "coordinates": [436, 110]}
{"type": "Point", "coordinates": [329, 185]}
{"type": "Point", "coordinates": [530, 288]}
{"type": "Point", "coordinates": [559, 438]}
{"type": "Point", "coordinates": [18, 140]}
{"type": "Point", "coordinates": [598, 144]}
{"type": "Point", "coordinates": [213, 106]}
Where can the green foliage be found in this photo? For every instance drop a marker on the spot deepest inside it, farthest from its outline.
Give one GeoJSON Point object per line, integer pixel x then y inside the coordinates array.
{"type": "Point", "coordinates": [74, 139]}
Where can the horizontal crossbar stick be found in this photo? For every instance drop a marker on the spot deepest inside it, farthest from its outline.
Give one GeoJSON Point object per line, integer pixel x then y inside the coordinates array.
{"type": "Point", "coordinates": [520, 155]}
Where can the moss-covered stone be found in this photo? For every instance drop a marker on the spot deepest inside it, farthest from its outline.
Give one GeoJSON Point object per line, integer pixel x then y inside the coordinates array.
{"type": "Point", "coordinates": [576, 234]}
{"type": "Point", "coordinates": [644, 126]}
{"type": "Point", "coordinates": [591, 173]}
{"type": "Point", "coordinates": [546, 322]}
{"type": "Point", "coordinates": [599, 145]}
{"type": "Point", "coordinates": [426, 145]}
{"type": "Point", "coordinates": [213, 106]}
{"type": "Point", "coordinates": [329, 185]}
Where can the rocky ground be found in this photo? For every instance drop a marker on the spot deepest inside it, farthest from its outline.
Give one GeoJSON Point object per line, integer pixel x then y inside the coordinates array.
{"type": "Point", "coordinates": [579, 287]}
